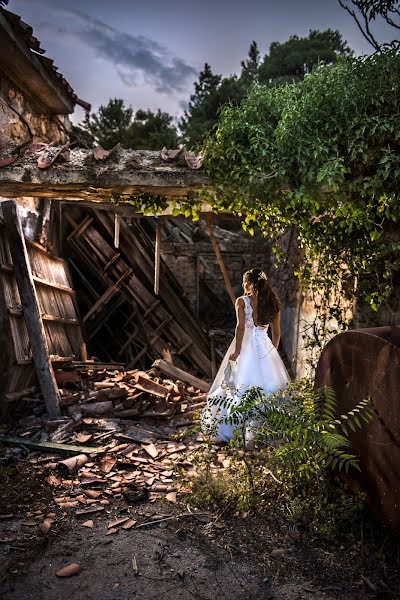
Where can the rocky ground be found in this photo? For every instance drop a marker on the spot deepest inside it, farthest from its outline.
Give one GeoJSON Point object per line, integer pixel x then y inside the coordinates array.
{"type": "Point", "coordinates": [114, 518]}
{"type": "Point", "coordinates": [142, 549]}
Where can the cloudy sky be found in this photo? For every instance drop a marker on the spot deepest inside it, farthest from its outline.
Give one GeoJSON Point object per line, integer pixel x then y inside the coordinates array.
{"type": "Point", "coordinates": [149, 52]}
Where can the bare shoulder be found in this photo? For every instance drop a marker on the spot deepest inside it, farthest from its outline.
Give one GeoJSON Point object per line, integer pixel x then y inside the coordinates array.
{"type": "Point", "coordinates": [239, 302]}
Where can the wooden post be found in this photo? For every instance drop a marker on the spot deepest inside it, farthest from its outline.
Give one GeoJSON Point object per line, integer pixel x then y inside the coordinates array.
{"type": "Point", "coordinates": [221, 263]}
{"type": "Point", "coordinates": [32, 316]}
{"type": "Point", "coordinates": [213, 365]}
{"type": "Point", "coordinates": [157, 259]}
{"type": "Point", "coordinates": [197, 308]}
{"type": "Point", "coordinates": [117, 223]}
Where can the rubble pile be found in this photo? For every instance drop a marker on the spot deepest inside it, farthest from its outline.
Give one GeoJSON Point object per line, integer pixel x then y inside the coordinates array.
{"type": "Point", "coordinates": [98, 452]}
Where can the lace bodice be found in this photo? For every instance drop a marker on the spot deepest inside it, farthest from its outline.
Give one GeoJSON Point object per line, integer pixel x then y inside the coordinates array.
{"type": "Point", "coordinates": [259, 333]}
{"type": "Point", "coordinates": [248, 315]}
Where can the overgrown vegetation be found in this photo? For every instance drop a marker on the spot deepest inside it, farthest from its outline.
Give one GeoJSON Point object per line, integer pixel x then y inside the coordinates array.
{"type": "Point", "coordinates": [322, 156]}
{"type": "Point", "coordinates": [300, 442]}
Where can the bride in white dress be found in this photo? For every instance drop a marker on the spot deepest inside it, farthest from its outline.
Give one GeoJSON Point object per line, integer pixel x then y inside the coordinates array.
{"type": "Point", "coordinates": [255, 360]}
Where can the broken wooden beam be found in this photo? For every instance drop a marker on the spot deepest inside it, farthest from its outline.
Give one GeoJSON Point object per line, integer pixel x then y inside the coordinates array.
{"type": "Point", "coordinates": [157, 255]}
{"type": "Point", "coordinates": [221, 263]}
{"type": "Point", "coordinates": [125, 173]}
{"type": "Point", "coordinates": [50, 446]}
{"type": "Point", "coordinates": [181, 375]}
{"type": "Point", "coordinates": [32, 316]}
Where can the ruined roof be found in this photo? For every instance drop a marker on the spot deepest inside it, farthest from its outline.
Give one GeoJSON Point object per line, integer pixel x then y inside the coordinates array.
{"type": "Point", "coordinates": [21, 57]}
{"type": "Point", "coordinates": [77, 175]}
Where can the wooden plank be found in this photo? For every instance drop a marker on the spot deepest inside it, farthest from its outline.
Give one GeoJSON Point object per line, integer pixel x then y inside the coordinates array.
{"type": "Point", "coordinates": [108, 294]}
{"type": "Point", "coordinates": [157, 255]}
{"type": "Point", "coordinates": [34, 324]}
{"type": "Point", "coordinates": [112, 261]}
{"type": "Point", "coordinates": [54, 285]}
{"type": "Point", "coordinates": [221, 263]}
{"type": "Point", "coordinates": [80, 228]}
{"type": "Point", "coordinates": [151, 308]}
{"type": "Point", "coordinates": [117, 220]}
{"type": "Point", "coordinates": [176, 373]}
{"type": "Point", "coordinates": [137, 254]}
{"type": "Point", "coordinates": [60, 320]}
{"type": "Point", "coordinates": [174, 331]}
{"type": "Point", "coordinates": [50, 446]}
{"type": "Point", "coordinates": [12, 396]}
{"type": "Point", "coordinates": [42, 250]}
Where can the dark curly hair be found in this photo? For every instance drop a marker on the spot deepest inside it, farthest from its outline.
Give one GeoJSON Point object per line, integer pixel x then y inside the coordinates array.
{"type": "Point", "coordinates": [267, 301]}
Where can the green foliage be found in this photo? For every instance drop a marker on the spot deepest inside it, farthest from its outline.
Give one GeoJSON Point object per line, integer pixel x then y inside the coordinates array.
{"type": "Point", "coordinates": [301, 441]}
{"type": "Point", "coordinates": [251, 65]}
{"type": "Point", "coordinates": [211, 93]}
{"type": "Point", "coordinates": [301, 423]}
{"type": "Point", "coordinates": [151, 131]}
{"type": "Point", "coordinates": [323, 156]}
{"type": "Point", "coordinates": [291, 60]}
{"type": "Point", "coordinates": [110, 124]}
{"type": "Point", "coordinates": [114, 123]}
{"type": "Point", "coordinates": [285, 61]}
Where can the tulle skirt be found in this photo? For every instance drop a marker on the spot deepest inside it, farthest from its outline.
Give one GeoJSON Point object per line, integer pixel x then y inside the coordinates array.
{"type": "Point", "coordinates": [259, 364]}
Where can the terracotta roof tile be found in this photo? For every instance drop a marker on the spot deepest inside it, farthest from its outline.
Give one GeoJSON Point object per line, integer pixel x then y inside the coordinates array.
{"type": "Point", "coordinates": [26, 32]}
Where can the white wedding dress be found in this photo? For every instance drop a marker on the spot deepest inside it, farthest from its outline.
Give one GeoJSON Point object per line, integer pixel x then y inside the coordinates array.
{"type": "Point", "coordinates": [258, 364]}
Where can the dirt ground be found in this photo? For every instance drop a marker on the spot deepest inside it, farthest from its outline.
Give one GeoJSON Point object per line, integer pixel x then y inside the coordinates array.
{"type": "Point", "coordinates": [192, 553]}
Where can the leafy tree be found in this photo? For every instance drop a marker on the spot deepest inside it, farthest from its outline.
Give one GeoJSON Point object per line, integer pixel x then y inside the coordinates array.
{"type": "Point", "coordinates": [211, 93]}
{"type": "Point", "coordinates": [200, 117]}
{"type": "Point", "coordinates": [291, 60]}
{"type": "Point", "coordinates": [109, 125]}
{"type": "Point", "coordinates": [364, 12]}
{"type": "Point", "coordinates": [151, 131]}
{"type": "Point", "coordinates": [251, 65]}
{"type": "Point", "coordinates": [114, 123]}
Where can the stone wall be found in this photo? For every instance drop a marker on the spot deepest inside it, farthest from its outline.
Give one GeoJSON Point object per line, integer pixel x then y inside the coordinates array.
{"type": "Point", "coordinates": [19, 114]}
{"type": "Point", "coordinates": [196, 264]}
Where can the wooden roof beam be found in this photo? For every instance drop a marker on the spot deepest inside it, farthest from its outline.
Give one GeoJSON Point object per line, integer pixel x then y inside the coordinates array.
{"type": "Point", "coordinates": [81, 177]}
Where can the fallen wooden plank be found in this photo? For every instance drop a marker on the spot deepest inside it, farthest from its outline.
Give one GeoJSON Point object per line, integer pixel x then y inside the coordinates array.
{"type": "Point", "coordinates": [53, 446]}
{"type": "Point", "coordinates": [176, 373]}
{"type": "Point", "coordinates": [12, 396]}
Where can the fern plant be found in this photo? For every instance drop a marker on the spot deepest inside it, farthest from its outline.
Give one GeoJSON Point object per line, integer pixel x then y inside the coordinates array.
{"type": "Point", "coordinates": [302, 426]}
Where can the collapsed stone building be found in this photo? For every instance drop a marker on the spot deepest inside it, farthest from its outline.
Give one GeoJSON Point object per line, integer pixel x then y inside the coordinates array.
{"type": "Point", "coordinates": [62, 207]}
{"type": "Point", "coordinates": [85, 282]}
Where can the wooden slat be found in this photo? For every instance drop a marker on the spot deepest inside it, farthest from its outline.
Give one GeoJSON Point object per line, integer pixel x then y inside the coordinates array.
{"type": "Point", "coordinates": [138, 255]}
{"type": "Point", "coordinates": [157, 257]}
{"type": "Point", "coordinates": [74, 322]}
{"type": "Point", "coordinates": [80, 228]}
{"type": "Point", "coordinates": [56, 286]}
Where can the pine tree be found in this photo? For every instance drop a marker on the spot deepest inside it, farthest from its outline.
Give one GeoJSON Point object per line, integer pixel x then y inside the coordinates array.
{"type": "Point", "coordinates": [251, 64]}
{"type": "Point", "coordinates": [109, 125]}
{"type": "Point", "coordinates": [211, 93]}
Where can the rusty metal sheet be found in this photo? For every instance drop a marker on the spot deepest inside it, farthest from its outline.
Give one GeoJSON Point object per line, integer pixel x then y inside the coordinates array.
{"type": "Point", "coordinates": [366, 363]}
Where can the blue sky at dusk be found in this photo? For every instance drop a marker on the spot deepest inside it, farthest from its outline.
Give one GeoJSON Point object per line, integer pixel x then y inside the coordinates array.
{"type": "Point", "coordinates": [150, 52]}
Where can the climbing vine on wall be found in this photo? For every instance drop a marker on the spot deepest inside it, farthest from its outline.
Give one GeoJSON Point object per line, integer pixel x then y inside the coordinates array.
{"type": "Point", "coordinates": [322, 155]}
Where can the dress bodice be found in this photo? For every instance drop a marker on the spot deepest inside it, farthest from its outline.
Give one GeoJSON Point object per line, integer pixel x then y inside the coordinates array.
{"type": "Point", "coordinates": [259, 333]}
{"type": "Point", "coordinates": [248, 315]}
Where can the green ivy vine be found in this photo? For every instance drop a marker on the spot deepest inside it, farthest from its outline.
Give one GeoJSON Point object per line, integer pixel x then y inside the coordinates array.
{"type": "Point", "coordinates": [323, 156]}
